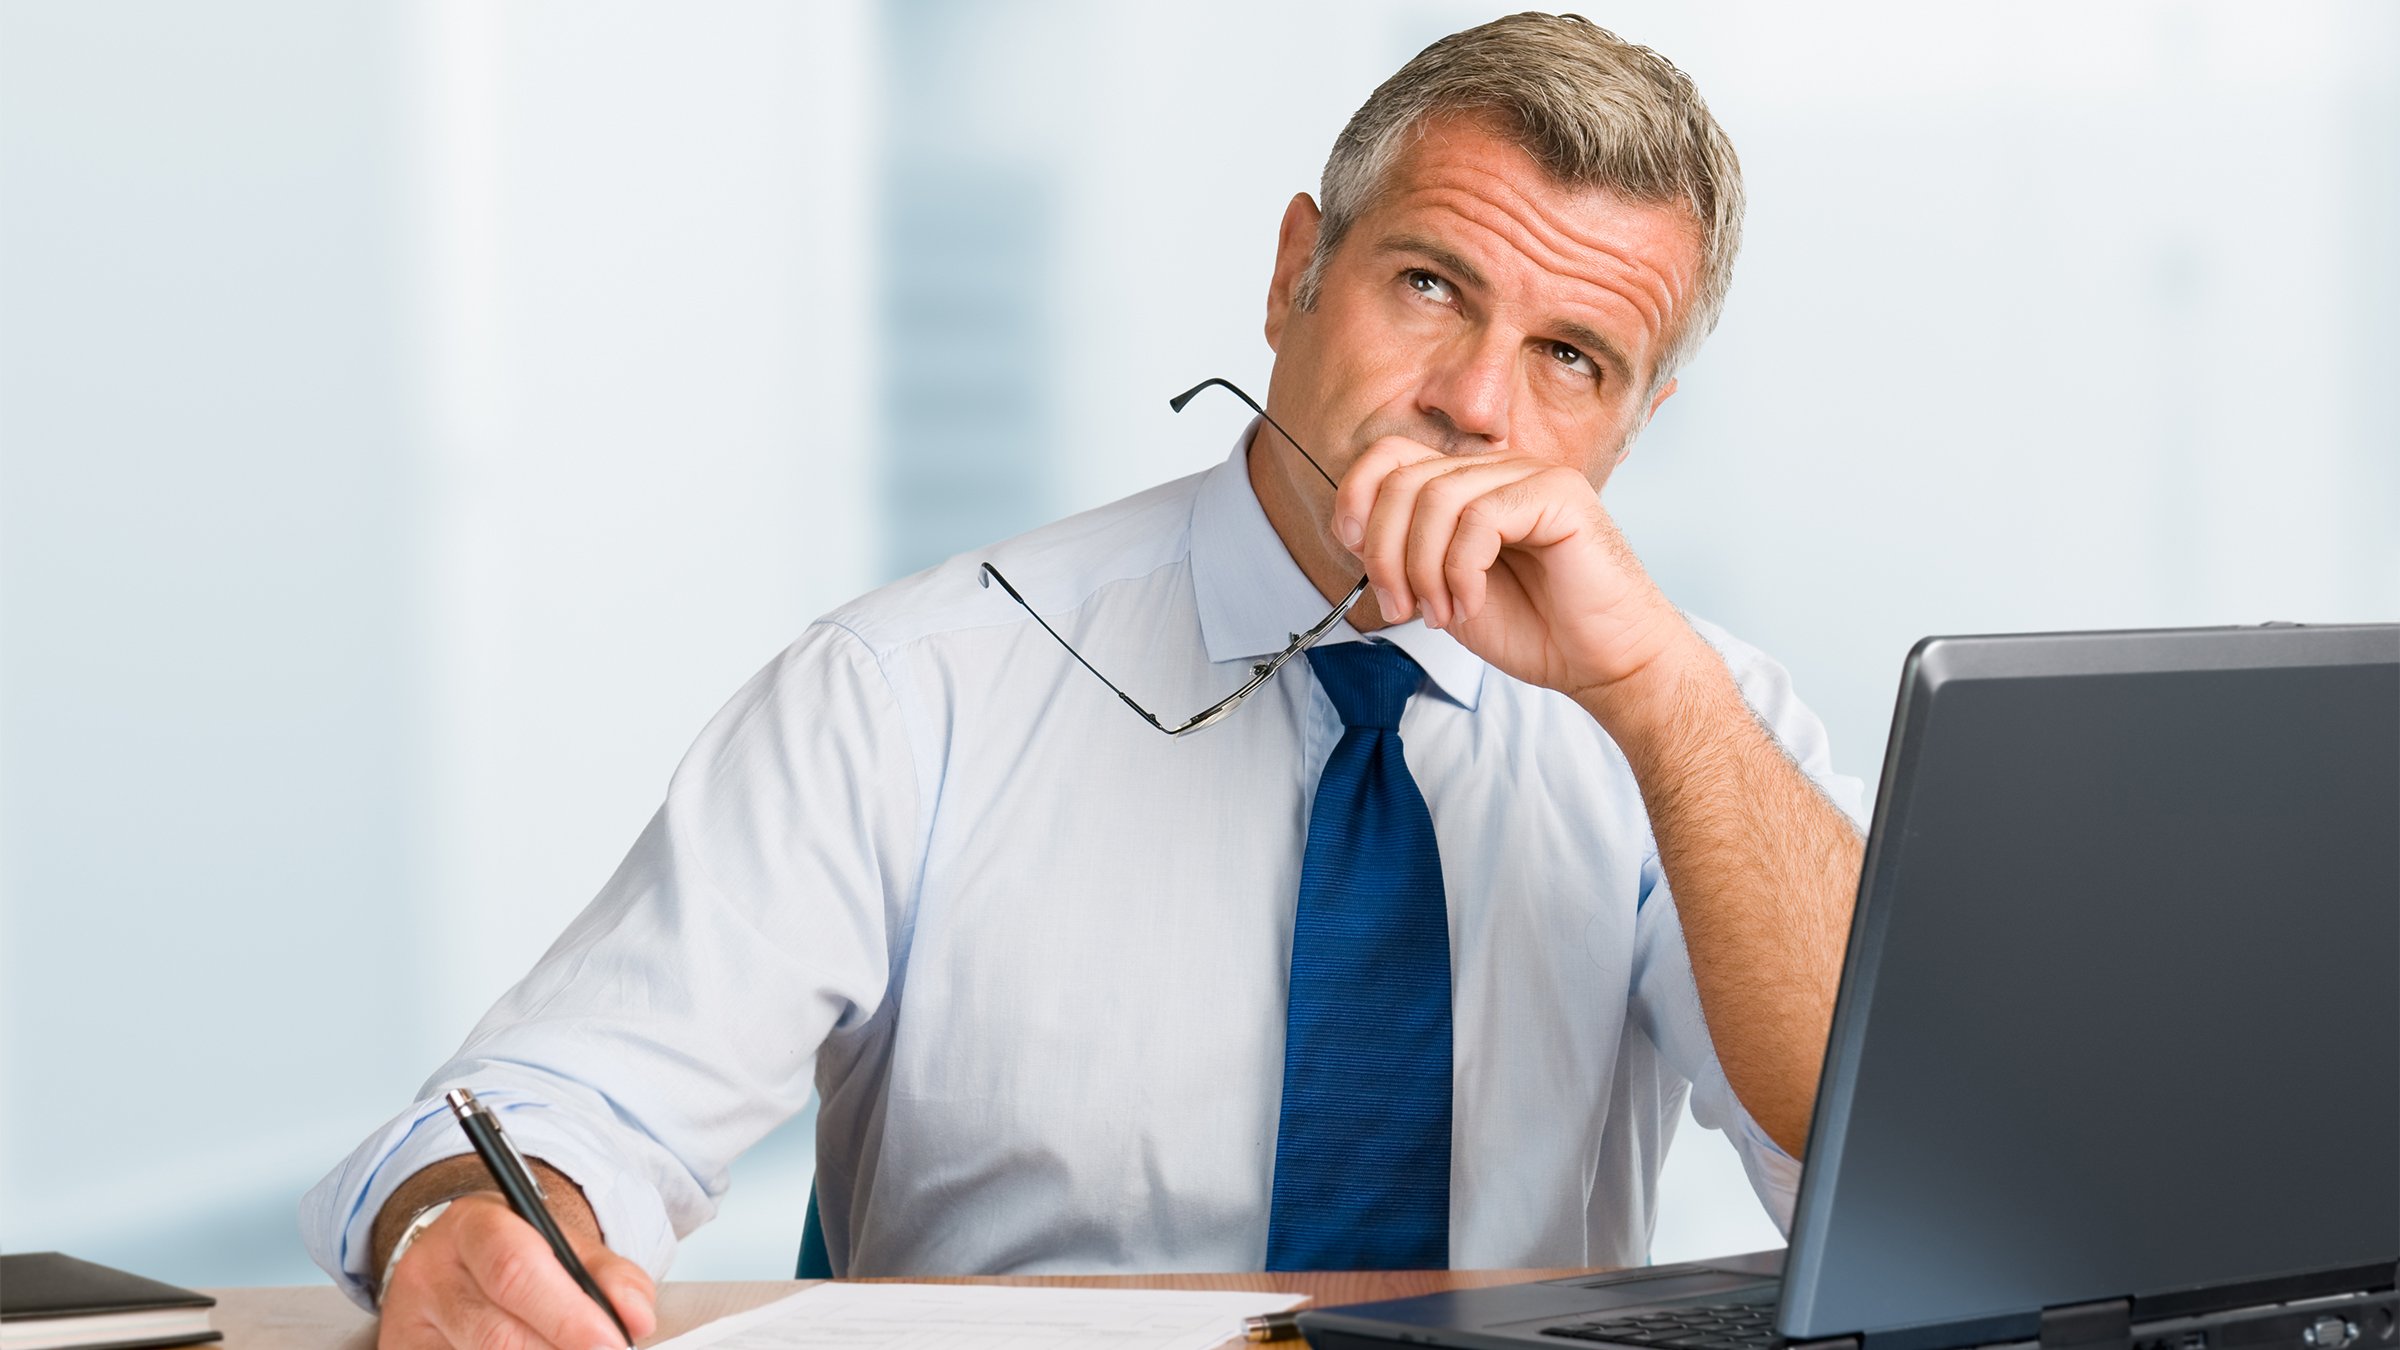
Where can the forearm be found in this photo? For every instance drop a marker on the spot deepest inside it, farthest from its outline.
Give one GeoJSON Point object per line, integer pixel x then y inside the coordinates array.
{"type": "Point", "coordinates": [1764, 870]}
{"type": "Point", "coordinates": [454, 1177]}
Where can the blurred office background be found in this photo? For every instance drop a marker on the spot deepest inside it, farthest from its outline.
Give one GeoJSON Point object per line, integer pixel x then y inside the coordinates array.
{"type": "Point", "coordinates": [417, 418]}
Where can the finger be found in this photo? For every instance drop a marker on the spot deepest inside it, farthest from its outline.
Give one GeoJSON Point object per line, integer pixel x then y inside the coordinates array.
{"type": "Point", "coordinates": [1359, 503]}
{"type": "Point", "coordinates": [1354, 497]}
{"type": "Point", "coordinates": [1440, 502]}
{"type": "Point", "coordinates": [1467, 564]}
{"type": "Point", "coordinates": [1383, 547]}
{"type": "Point", "coordinates": [519, 1274]}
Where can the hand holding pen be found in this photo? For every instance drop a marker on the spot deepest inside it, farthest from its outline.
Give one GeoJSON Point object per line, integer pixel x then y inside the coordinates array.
{"type": "Point", "coordinates": [486, 1271]}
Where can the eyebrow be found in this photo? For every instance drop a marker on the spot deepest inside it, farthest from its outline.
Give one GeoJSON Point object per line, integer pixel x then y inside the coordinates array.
{"type": "Point", "coordinates": [1580, 336]}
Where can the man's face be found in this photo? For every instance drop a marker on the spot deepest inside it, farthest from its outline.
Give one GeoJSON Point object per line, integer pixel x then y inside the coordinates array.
{"type": "Point", "coordinates": [1477, 306]}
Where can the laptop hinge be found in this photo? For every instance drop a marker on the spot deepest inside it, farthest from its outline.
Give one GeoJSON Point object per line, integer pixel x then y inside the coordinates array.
{"type": "Point", "coordinates": [2104, 1324]}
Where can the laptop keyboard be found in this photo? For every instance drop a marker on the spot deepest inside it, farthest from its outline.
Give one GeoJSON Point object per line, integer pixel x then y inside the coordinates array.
{"type": "Point", "coordinates": [1702, 1326]}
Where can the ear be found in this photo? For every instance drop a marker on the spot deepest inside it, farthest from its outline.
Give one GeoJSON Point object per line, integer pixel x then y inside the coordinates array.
{"type": "Point", "coordinates": [1295, 244]}
{"type": "Point", "coordinates": [1659, 398]}
{"type": "Point", "coordinates": [1655, 400]}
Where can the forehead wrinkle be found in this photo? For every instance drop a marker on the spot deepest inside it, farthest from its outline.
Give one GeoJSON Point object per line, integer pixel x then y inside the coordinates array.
{"type": "Point", "coordinates": [1507, 191]}
{"type": "Point", "coordinates": [1564, 246]}
{"type": "Point", "coordinates": [1653, 302]}
{"type": "Point", "coordinates": [1576, 254]}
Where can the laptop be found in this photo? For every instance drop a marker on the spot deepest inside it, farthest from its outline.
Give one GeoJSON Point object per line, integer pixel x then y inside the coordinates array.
{"type": "Point", "coordinates": [2115, 1062]}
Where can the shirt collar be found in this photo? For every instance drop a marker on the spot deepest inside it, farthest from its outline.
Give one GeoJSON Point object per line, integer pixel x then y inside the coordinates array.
{"type": "Point", "coordinates": [1253, 597]}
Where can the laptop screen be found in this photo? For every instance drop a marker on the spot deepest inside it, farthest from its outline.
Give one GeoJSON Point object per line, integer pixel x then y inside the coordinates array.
{"type": "Point", "coordinates": [2122, 1009]}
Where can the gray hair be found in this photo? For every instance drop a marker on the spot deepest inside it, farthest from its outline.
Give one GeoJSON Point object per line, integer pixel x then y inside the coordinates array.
{"type": "Point", "coordinates": [1592, 109]}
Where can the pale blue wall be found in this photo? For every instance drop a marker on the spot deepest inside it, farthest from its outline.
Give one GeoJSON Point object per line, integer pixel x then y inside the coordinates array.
{"type": "Point", "coordinates": [209, 811]}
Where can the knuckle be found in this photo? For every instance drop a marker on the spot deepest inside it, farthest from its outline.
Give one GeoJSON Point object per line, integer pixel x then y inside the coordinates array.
{"type": "Point", "coordinates": [512, 1277]}
{"type": "Point", "coordinates": [1450, 489]}
{"type": "Point", "coordinates": [629, 1272]}
{"type": "Point", "coordinates": [498, 1333]}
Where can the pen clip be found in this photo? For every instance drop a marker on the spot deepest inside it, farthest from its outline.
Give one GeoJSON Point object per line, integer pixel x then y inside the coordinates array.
{"type": "Point", "coordinates": [532, 1178]}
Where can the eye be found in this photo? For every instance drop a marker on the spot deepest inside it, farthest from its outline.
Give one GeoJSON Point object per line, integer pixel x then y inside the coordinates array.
{"type": "Point", "coordinates": [1430, 286]}
{"type": "Point", "coordinates": [1573, 359]}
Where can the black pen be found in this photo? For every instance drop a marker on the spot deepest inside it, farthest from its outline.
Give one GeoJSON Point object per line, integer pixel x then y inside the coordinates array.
{"type": "Point", "coordinates": [1274, 1326]}
{"type": "Point", "coordinates": [524, 1193]}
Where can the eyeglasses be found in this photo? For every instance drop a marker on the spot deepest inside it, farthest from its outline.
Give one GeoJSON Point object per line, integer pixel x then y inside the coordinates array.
{"type": "Point", "coordinates": [1260, 673]}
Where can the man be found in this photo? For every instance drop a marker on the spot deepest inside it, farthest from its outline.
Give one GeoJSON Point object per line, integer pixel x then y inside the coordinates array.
{"type": "Point", "coordinates": [1079, 996]}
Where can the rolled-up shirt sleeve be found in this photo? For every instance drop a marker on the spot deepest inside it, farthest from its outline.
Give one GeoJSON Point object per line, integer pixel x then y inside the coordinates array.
{"type": "Point", "coordinates": [1666, 999]}
{"type": "Point", "coordinates": [679, 1017]}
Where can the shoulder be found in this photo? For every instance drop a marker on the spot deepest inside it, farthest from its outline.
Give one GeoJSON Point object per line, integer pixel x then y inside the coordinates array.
{"type": "Point", "coordinates": [1056, 568]}
{"type": "Point", "coordinates": [856, 666]}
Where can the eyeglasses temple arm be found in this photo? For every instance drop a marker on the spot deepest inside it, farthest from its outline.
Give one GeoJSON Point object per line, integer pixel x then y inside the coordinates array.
{"type": "Point", "coordinates": [1176, 403]}
{"type": "Point", "coordinates": [993, 574]}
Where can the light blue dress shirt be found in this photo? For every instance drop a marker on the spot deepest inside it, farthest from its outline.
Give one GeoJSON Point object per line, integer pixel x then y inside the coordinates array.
{"type": "Point", "coordinates": [1033, 954]}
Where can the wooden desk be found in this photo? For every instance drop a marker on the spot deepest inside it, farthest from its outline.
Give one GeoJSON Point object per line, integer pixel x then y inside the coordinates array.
{"type": "Point", "coordinates": [319, 1318]}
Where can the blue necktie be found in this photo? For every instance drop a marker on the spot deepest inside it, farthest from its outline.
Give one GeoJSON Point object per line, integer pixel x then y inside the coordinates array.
{"type": "Point", "coordinates": [1362, 1156]}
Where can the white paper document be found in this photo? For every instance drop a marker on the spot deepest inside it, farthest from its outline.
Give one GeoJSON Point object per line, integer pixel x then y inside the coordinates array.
{"type": "Point", "coordinates": [986, 1317]}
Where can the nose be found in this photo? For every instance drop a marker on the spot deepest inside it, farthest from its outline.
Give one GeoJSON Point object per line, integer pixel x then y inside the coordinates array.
{"type": "Point", "coordinates": [1469, 386]}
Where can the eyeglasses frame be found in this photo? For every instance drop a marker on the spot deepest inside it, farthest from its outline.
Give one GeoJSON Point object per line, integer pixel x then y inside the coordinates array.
{"type": "Point", "coordinates": [1260, 672]}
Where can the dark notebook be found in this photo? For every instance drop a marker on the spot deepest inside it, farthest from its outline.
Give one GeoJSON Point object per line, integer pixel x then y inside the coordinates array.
{"type": "Point", "coordinates": [53, 1302]}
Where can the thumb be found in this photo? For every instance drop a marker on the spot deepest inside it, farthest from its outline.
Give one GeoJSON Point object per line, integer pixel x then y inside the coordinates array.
{"type": "Point", "coordinates": [629, 1288]}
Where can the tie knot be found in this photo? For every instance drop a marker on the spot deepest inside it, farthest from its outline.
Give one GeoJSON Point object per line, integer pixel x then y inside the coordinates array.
{"type": "Point", "coordinates": [1369, 682]}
